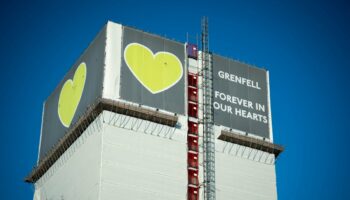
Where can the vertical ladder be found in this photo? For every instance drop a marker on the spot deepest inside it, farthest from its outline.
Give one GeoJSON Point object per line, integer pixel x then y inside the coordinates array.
{"type": "Point", "coordinates": [208, 122]}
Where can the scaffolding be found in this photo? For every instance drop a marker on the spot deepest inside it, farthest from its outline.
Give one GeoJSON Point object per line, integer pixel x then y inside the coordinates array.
{"type": "Point", "coordinates": [208, 122]}
{"type": "Point", "coordinates": [154, 120]}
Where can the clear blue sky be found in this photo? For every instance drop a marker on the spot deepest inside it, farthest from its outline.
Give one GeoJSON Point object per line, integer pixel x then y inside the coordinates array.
{"type": "Point", "coordinates": [304, 44]}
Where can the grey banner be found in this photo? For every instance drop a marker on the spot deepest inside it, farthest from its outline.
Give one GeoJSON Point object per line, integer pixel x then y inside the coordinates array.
{"type": "Point", "coordinates": [240, 98]}
{"type": "Point", "coordinates": [152, 71]}
{"type": "Point", "coordinates": [81, 86]}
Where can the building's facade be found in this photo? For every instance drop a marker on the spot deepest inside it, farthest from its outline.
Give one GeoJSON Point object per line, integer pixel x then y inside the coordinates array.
{"type": "Point", "coordinates": [126, 122]}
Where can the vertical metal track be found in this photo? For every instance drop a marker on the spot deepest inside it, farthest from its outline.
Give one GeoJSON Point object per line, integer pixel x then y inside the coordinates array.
{"type": "Point", "coordinates": [208, 122]}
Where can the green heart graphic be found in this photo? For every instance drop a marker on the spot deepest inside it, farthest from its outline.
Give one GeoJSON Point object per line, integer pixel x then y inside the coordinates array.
{"type": "Point", "coordinates": [156, 72]}
{"type": "Point", "coordinates": [70, 95]}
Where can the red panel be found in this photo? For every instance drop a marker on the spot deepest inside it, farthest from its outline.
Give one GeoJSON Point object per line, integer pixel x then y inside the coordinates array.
{"type": "Point", "coordinates": [192, 142]}
{"type": "Point", "coordinates": [192, 159]}
{"type": "Point", "coordinates": [193, 177]}
{"type": "Point", "coordinates": [193, 94]}
{"type": "Point", "coordinates": [193, 128]}
{"type": "Point", "coordinates": [192, 193]}
{"type": "Point", "coordinates": [192, 79]}
{"type": "Point", "coordinates": [193, 110]}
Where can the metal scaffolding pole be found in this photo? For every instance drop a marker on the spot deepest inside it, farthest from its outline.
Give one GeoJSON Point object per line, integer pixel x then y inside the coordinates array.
{"type": "Point", "coordinates": [208, 122]}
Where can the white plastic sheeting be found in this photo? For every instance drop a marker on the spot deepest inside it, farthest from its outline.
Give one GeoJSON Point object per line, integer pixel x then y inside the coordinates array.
{"type": "Point", "coordinates": [244, 174]}
{"type": "Point", "coordinates": [112, 162]}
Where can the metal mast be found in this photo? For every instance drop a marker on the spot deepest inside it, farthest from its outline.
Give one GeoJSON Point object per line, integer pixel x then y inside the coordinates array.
{"type": "Point", "coordinates": [208, 123]}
